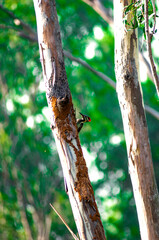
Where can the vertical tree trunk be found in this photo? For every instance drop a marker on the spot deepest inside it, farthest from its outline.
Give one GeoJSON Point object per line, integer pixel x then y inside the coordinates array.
{"type": "Point", "coordinates": [63, 123]}
{"type": "Point", "coordinates": [20, 200]}
{"type": "Point", "coordinates": [135, 126]}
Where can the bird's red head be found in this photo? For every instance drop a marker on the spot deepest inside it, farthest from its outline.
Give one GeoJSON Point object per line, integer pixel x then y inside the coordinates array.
{"type": "Point", "coordinates": [85, 118]}
{"type": "Point", "coordinates": [89, 120]}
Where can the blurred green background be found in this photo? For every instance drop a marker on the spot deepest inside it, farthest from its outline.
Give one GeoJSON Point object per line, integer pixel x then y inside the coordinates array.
{"type": "Point", "coordinates": [30, 171]}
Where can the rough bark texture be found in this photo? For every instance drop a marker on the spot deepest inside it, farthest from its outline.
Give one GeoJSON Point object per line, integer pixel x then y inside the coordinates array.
{"type": "Point", "coordinates": [135, 126]}
{"type": "Point", "coordinates": [63, 123]}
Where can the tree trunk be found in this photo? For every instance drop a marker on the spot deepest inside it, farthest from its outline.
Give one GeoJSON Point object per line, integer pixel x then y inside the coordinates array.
{"type": "Point", "coordinates": [63, 123]}
{"type": "Point", "coordinates": [135, 126]}
{"type": "Point", "coordinates": [20, 200]}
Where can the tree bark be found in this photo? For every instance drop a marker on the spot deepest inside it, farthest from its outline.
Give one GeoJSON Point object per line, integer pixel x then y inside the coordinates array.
{"type": "Point", "coordinates": [135, 126]}
{"type": "Point", "coordinates": [63, 123]}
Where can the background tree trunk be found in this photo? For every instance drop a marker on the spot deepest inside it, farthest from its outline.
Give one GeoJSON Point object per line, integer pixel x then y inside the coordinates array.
{"type": "Point", "coordinates": [63, 124]}
{"type": "Point", "coordinates": [135, 126]}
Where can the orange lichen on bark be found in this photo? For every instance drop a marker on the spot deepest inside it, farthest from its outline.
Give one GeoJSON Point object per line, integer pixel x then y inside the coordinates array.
{"type": "Point", "coordinates": [83, 186]}
{"type": "Point", "coordinates": [64, 117]}
{"type": "Point", "coordinates": [62, 109]}
{"type": "Point", "coordinates": [95, 217]}
{"type": "Point", "coordinates": [61, 112]}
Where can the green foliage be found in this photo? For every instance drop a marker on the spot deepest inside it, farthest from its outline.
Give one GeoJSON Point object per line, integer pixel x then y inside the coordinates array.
{"type": "Point", "coordinates": [28, 157]}
{"type": "Point", "coordinates": [136, 10]}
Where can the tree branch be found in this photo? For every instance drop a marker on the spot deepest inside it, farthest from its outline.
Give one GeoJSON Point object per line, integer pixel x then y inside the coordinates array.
{"type": "Point", "coordinates": [64, 222]}
{"type": "Point", "coordinates": [101, 10]}
{"type": "Point", "coordinates": [86, 65]}
{"type": "Point", "coordinates": [148, 109]}
{"type": "Point", "coordinates": [30, 33]}
{"type": "Point", "coordinates": [13, 16]}
{"type": "Point", "coordinates": [20, 33]}
{"type": "Point", "coordinates": [152, 111]}
{"type": "Point", "coordinates": [148, 39]}
{"type": "Point", "coordinates": [154, 11]}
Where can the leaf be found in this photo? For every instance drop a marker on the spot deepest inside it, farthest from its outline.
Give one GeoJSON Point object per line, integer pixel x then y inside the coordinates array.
{"type": "Point", "coordinates": [129, 8]}
{"type": "Point", "coordinates": [140, 17]}
{"type": "Point", "coordinates": [151, 24]}
{"type": "Point", "coordinates": [150, 8]}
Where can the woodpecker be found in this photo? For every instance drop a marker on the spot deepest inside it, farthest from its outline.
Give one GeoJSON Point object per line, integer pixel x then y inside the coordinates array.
{"type": "Point", "coordinates": [81, 121]}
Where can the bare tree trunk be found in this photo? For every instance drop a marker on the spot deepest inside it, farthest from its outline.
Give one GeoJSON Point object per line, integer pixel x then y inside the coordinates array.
{"type": "Point", "coordinates": [23, 214]}
{"type": "Point", "coordinates": [135, 126]}
{"type": "Point", "coordinates": [43, 226]}
{"type": "Point", "coordinates": [63, 123]}
{"type": "Point", "coordinates": [21, 205]}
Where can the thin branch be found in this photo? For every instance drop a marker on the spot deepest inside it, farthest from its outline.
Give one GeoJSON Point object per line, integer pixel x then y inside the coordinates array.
{"type": "Point", "coordinates": [148, 39]}
{"type": "Point", "coordinates": [30, 33]}
{"type": "Point", "coordinates": [152, 111]}
{"type": "Point", "coordinates": [32, 38]}
{"type": "Point", "coordinates": [3, 26]}
{"type": "Point", "coordinates": [64, 222]}
{"type": "Point", "coordinates": [13, 16]}
{"type": "Point", "coordinates": [86, 65]}
{"type": "Point", "coordinates": [20, 33]}
{"type": "Point", "coordinates": [101, 10]}
{"type": "Point", "coordinates": [154, 11]}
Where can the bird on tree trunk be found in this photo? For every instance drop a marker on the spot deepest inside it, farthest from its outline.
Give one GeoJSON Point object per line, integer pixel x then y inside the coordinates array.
{"type": "Point", "coordinates": [81, 121]}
